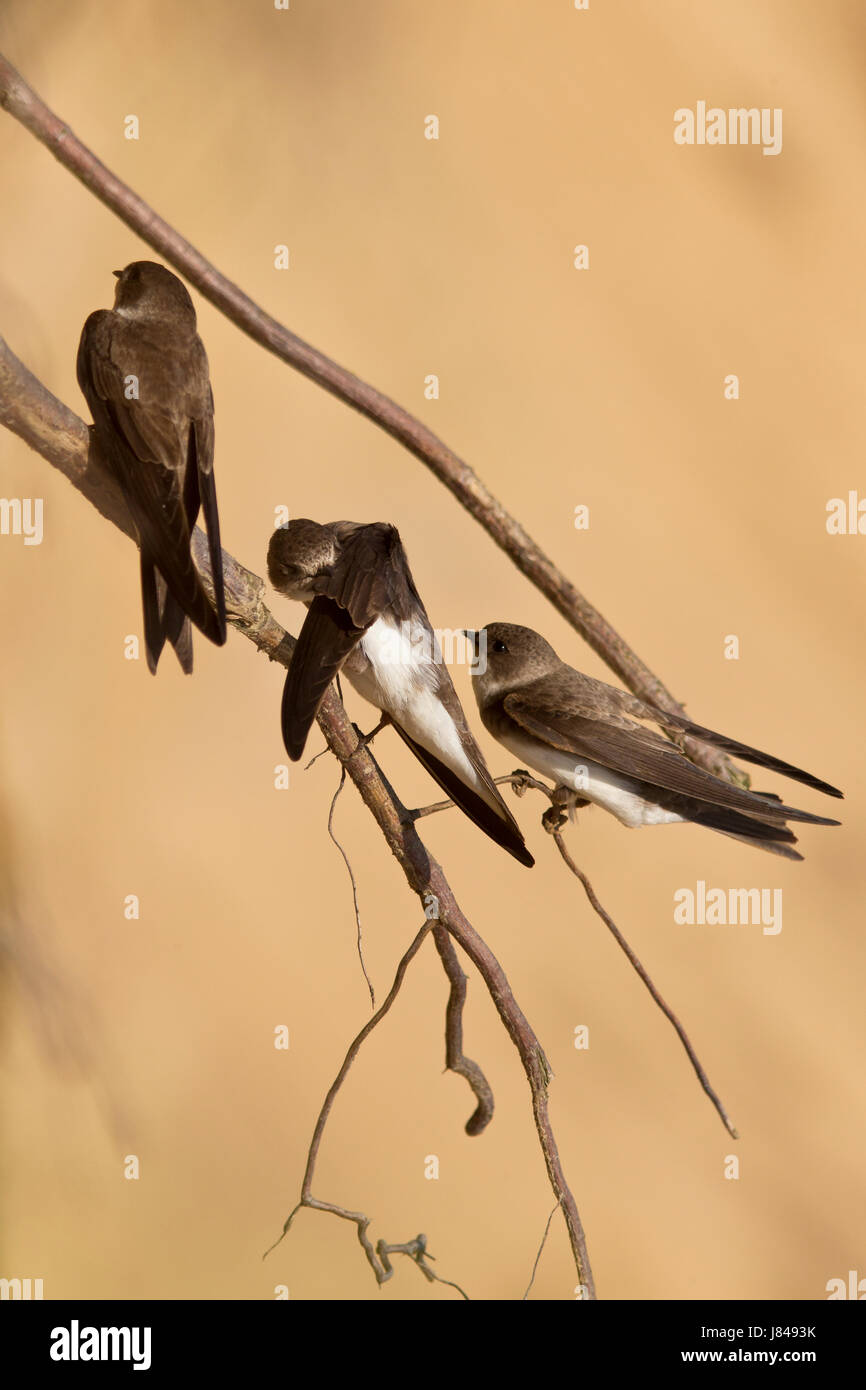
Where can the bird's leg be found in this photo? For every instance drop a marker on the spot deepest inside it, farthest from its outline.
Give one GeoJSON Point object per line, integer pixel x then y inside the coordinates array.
{"type": "Point", "coordinates": [365, 739]}
{"type": "Point", "coordinates": [563, 801]}
{"type": "Point", "coordinates": [520, 780]}
{"type": "Point", "coordinates": [563, 804]}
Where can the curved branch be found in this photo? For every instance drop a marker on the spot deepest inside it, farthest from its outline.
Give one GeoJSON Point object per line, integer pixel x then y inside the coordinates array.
{"type": "Point", "coordinates": [642, 974]}
{"type": "Point", "coordinates": [455, 1058]}
{"type": "Point", "coordinates": [381, 1270]}
{"type": "Point", "coordinates": [22, 102]}
{"type": "Point", "coordinates": [553, 820]}
{"type": "Point", "coordinates": [359, 935]}
{"type": "Point", "coordinates": [33, 413]}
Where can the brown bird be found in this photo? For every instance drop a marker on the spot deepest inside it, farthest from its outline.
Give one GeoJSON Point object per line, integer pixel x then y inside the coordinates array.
{"type": "Point", "coordinates": [144, 373]}
{"type": "Point", "coordinates": [593, 740]}
{"type": "Point", "coordinates": [366, 618]}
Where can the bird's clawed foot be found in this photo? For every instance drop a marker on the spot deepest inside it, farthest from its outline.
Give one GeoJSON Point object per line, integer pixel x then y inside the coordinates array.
{"type": "Point", "coordinates": [563, 804]}
{"type": "Point", "coordinates": [365, 739]}
{"type": "Point", "coordinates": [521, 781]}
{"type": "Point", "coordinates": [554, 818]}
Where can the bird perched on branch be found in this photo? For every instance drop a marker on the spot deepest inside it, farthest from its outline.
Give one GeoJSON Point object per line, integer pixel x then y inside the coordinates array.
{"type": "Point", "coordinates": [144, 373]}
{"type": "Point", "coordinates": [366, 618]}
{"type": "Point", "coordinates": [593, 740]}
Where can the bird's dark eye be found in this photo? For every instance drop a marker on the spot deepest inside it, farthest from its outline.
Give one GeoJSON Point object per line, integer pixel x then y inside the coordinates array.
{"type": "Point", "coordinates": [499, 646]}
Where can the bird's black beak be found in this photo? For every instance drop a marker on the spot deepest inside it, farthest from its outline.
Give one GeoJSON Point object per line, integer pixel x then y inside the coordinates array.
{"type": "Point", "coordinates": [118, 273]}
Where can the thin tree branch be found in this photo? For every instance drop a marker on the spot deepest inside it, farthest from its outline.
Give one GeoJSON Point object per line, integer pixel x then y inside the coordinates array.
{"type": "Point", "coordinates": [455, 1058]}
{"type": "Point", "coordinates": [346, 861]}
{"type": "Point", "coordinates": [553, 820]}
{"type": "Point", "coordinates": [381, 1269]}
{"type": "Point", "coordinates": [417, 1250]}
{"type": "Point", "coordinates": [639, 968]}
{"type": "Point", "coordinates": [35, 415]}
{"type": "Point", "coordinates": [539, 1254]}
{"type": "Point", "coordinates": [25, 106]}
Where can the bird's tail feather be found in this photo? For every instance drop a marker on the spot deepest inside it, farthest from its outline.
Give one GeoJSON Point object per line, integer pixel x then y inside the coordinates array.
{"type": "Point", "coordinates": [164, 619]}
{"type": "Point", "coordinates": [748, 754]}
{"type": "Point", "coordinates": [776, 839]}
{"type": "Point", "coordinates": [500, 826]}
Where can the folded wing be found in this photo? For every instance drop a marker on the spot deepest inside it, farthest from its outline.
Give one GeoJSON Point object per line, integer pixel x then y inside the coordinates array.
{"type": "Point", "coordinates": [629, 748]}
{"type": "Point", "coordinates": [366, 579]}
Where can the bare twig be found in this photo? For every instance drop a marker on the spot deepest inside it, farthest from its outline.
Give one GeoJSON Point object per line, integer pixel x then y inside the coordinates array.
{"type": "Point", "coordinates": [348, 865]}
{"type": "Point", "coordinates": [33, 413]}
{"type": "Point", "coordinates": [637, 966]}
{"type": "Point", "coordinates": [553, 821]}
{"type": "Point", "coordinates": [26, 106]}
{"type": "Point", "coordinates": [417, 1250]}
{"type": "Point", "coordinates": [446, 805]}
{"type": "Point", "coordinates": [315, 758]}
{"type": "Point", "coordinates": [381, 1270]}
{"type": "Point", "coordinates": [539, 1254]}
{"type": "Point", "coordinates": [455, 1058]}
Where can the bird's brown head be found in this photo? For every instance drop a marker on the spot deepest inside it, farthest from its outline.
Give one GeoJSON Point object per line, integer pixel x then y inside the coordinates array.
{"type": "Point", "coordinates": [298, 552]}
{"type": "Point", "coordinates": [147, 290]}
{"type": "Point", "coordinates": [506, 657]}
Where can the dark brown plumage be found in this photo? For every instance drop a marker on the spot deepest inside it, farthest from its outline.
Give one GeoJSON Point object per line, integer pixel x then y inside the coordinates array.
{"type": "Point", "coordinates": [144, 373]}
{"type": "Point", "coordinates": [354, 573]}
{"type": "Point", "coordinates": [365, 617]}
{"type": "Point", "coordinates": [580, 730]}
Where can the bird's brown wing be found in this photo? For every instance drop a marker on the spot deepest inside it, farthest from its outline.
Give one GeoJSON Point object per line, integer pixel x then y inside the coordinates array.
{"type": "Point", "coordinates": [147, 448]}
{"type": "Point", "coordinates": [371, 574]}
{"type": "Point", "coordinates": [625, 746]}
{"type": "Point", "coordinates": [617, 703]}
{"type": "Point", "coordinates": [202, 441]}
{"type": "Point", "coordinates": [367, 579]}
{"type": "Point", "coordinates": [678, 724]}
{"type": "Point", "coordinates": [326, 639]}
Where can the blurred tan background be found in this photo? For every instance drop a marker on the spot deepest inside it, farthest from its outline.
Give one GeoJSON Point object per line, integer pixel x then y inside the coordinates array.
{"type": "Point", "coordinates": [408, 257]}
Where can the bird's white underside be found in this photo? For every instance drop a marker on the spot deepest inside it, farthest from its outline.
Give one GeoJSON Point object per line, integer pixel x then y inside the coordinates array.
{"type": "Point", "coordinates": [610, 790]}
{"type": "Point", "coordinates": [400, 675]}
